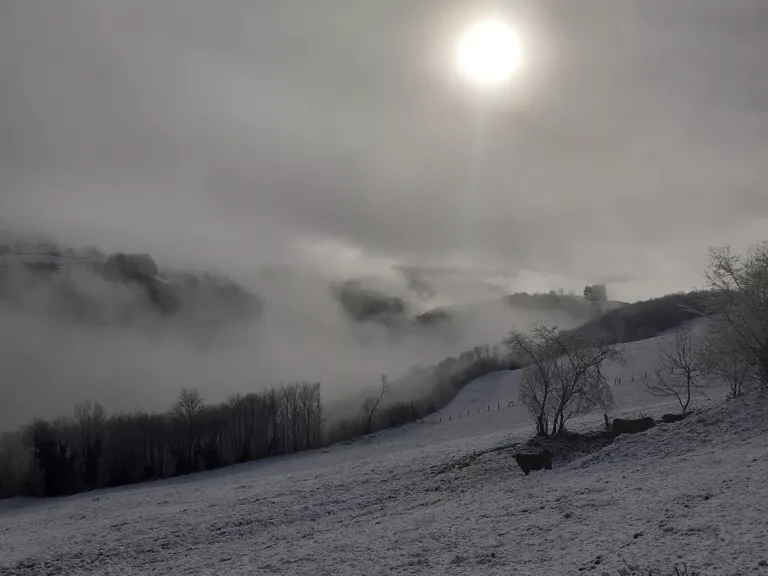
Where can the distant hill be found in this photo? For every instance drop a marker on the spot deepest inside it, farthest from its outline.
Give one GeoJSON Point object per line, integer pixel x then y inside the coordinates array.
{"type": "Point", "coordinates": [574, 307]}
{"type": "Point", "coordinates": [363, 304]}
{"type": "Point", "coordinates": [646, 319]}
{"type": "Point", "coordinates": [90, 287]}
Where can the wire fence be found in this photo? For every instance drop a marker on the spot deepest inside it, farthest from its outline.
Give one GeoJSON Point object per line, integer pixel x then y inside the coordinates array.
{"type": "Point", "coordinates": [444, 417]}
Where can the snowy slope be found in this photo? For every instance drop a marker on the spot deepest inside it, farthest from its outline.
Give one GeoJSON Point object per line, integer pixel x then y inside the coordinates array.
{"type": "Point", "coordinates": [502, 387]}
{"type": "Point", "coordinates": [487, 400]}
{"type": "Point", "coordinates": [433, 499]}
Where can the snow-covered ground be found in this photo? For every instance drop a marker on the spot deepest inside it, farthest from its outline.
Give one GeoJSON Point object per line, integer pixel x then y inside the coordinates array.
{"type": "Point", "coordinates": [436, 498]}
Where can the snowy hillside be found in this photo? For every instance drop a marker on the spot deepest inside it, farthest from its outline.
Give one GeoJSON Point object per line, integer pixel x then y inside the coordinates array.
{"type": "Point", "coordinates": [436, 498]}
{"type": "Point", "coordinates": [484, 406]}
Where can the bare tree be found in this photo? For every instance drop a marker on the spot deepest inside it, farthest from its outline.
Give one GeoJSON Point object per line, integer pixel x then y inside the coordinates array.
{"type": "Point", "coordinates": [209, 435]}
{"type": "Point", "coordinates": [155, 439]}
{"type": "Point", "coordinates": [372, 403]}
{"type": "Point", "coordinates": [563, 377]}
{"type": "Point", "coordinates": [596, 293]}
{"type": "Point", "coordinates": [537, 386]}
{"type": "Point", "coordinates": [289, 397]}
{"type": "Point", "coordinates": [737, 304]}
{"type": "Point", "coordinates": [309, 399]}
{"type": "Point", "coordinates": [243, 413]}
{"type": "Point", "coordinates": [186, 414]}
{"type": "Point", "coordinates": [90, 418]}
{"type": "Point", "coordinates": [723, 361]}
{"type": "Point", "coordinates": [273, 416]}
{"type": "Point", "coordinates": [679, 368]}
{"type": "Point", "coordinates": [189, 404]}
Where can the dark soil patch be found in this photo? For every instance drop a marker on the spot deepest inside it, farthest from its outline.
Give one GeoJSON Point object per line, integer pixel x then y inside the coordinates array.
{"type": "Point", "coordinates": [570, 444]}
{"type": "Point", "coordinates": [470, 459]}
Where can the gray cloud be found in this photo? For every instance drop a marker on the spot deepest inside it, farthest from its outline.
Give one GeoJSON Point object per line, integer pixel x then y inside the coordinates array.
{"type": "Point", "coordinates": [634, 136]}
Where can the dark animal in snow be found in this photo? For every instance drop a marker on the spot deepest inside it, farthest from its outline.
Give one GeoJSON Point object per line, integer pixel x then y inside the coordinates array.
{"type": "Point", "coordinates": [528, 462]}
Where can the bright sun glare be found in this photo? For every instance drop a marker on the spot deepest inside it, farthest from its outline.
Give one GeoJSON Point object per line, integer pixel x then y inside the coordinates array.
{"type": "Point", "coordinates": [489, 52]}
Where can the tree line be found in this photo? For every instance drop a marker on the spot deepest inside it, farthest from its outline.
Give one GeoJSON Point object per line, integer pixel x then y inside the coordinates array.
{"type": "Point", "coordinates": [94, 450]}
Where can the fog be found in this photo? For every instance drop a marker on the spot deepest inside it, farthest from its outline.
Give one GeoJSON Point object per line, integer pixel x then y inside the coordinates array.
{"type": "Point", "coordinates": [48, 361]}
{"type": "Point", "coordinates": [336, 141]}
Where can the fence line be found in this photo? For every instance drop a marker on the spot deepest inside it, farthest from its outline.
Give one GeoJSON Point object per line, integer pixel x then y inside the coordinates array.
{"type": "Point", "coordinates": [438, 418]}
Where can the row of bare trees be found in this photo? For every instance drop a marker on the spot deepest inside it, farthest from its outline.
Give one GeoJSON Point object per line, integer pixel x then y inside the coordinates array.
{"type": "Point", "coordinates": [94, 449]}
{"type": "Point", "coordinates": [730, 346]}
{"type": "Point", "coordinates": [564, 376]}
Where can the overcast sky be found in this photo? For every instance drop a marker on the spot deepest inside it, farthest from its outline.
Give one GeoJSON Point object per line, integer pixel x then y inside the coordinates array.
{"type": "Point", "coordinates": [251, 132]}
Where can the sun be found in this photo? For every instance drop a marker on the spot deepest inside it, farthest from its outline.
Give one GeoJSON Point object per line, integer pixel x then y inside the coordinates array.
{"type": "Point", "coordinates": [488, 53]}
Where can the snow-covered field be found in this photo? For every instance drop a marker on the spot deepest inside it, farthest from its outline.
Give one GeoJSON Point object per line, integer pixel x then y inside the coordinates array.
{"type": "Point", "coordinates": [436, 498]}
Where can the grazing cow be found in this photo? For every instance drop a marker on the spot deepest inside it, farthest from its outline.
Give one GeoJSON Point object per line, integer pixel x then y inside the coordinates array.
{"type": "Point", "coordinates": [621, 426]}
{"type": "Point", "coordinates": [528, 462]}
